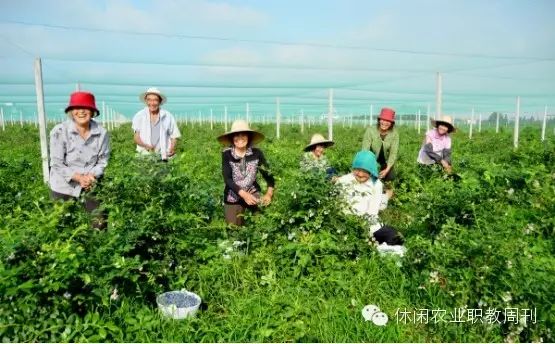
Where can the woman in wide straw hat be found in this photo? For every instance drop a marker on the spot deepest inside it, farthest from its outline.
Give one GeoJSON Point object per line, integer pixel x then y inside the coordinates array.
{"type": "Point", "coordinates": [314, 158]}
{"type": "Point", "coordinates": [240, 165]}
{"type": "Point", "coordinates": [79, 152]}
{"type": "Point", "coordinates": [436, 147]}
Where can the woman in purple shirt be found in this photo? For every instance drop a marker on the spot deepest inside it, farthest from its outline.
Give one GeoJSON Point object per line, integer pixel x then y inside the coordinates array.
{"type": "Point", "coordinates": [436, 148]}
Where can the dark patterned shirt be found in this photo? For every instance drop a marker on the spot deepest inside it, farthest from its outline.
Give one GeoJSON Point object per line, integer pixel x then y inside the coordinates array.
{"type": "Point", "coordinates": [240, 173]}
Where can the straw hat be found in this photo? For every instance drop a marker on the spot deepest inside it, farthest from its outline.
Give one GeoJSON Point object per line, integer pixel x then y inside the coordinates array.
{"type": "Point", "coordinates": [82, 99]}
{"type": "Point", "coordinates": [318, 139]}
{"type": "Point", "coordinates": [240, 126]}
{"type": "Point", "coordinates": [153, 90]}
{"type": "Point", "coordinates": [445, 120]}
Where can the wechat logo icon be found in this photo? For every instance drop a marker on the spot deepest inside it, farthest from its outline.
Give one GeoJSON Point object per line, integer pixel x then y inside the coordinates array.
{"type": "Point", "coordinates": [374, 314]}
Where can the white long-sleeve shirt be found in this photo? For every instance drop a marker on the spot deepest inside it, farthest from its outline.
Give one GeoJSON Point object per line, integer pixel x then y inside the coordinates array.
{"type": "Point", "coordinates": [364, 199]}
{"type": "Point", "coordinates": [168, 130]}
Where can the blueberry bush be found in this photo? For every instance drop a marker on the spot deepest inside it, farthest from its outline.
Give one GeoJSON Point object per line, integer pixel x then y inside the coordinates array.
{"type": "Point", "coordinates": [301, 269]}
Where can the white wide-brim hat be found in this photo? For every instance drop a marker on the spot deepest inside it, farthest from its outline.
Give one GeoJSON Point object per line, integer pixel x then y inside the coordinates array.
{"type": "Point", "coordinates": [318, 139]}
{"type": "Point", "coordinates": [153, 90]}
{"type": "Point", "coordinates": [445, 120]}
{"type": "Point", "coordinates": [240, 126]}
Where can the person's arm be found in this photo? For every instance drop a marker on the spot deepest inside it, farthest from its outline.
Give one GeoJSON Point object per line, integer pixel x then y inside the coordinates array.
{"type": "Point", "coordinates": [268, 177]}
{"type": "Point", "coordinates": [136, 126]}
{"type": "Point", "coordinates": [228, 174]}
{"type": "Point", "coordinates": [57, 159]}
{"type": "Point", "coordinates": [139, 142]}
{"type": "Point", "coordinates": [367, 140]}
{"type": "Point", "coordinates": [429, 150]}
{"type": "Point", "coordinates": [393, 151]}
{"type": "Point", "coordinates": [447, 155]}
{"type": "Point", "coordinates": [446, 161]}
{"type": "Point", "coordinates": [173, 144]}
{"type": "Point", "coordinates": [174, 135]}
{"type": "Point", "coordinates": [57, 155]}
{"type": "Point", "coordinates": [265, 171]}
{"type": "Point", "coordinates": [375, 200]}
{"type": "Point", "coordinates": [393, 141]}
{"type": "Point", "coordinates": [103, 157]}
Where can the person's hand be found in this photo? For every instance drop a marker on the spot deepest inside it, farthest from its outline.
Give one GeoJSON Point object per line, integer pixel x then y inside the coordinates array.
{"type": "Point", "coordinates": [383, 173]}
{"type": "Point", "coordinates": [82, 179]}
{"type": "Point", "coordinates": [446, 166]}
{"type": "Point", "coordinates": [334, 179]}
{"type": "Point", "coordinates": [171, 151]}
{"type": "Point", "coordinates": [267, 199]}
{"type": "Point", "coordinates": [389, 193]}
{"type": "Point", "coordinates": [149, 148]}
{"type": "Point", "coordinates": [249, 198]}
{"type": "Point", "coordinates": [91, 179]}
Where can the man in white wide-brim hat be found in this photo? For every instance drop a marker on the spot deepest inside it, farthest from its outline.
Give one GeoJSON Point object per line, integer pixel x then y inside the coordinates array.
{"type": "Point", "coordinates": [314, 159]}
{"type": "Point", "coordinates": [240, 165]}
{"type": "Point", "coordinates": [155, 129]}
{"type": "Point", "coordinates": [436, 148]}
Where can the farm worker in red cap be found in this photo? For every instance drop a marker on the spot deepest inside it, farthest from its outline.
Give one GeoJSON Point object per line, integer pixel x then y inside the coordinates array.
{"type": "Point", "coordinates": [79, 153]}
{"type": "Point", "coordinates": [436, 148]}
{"type": "Point", "coordinates": [383, 140]}
{"type": "Point", "coordinates": [240, 165]}
{"type": "Point", "coordinates": [155, 129]}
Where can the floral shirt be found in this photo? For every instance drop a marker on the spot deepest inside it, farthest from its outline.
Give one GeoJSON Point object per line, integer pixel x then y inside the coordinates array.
{"type": "Point", "coordinates": [240, 173]}
{"type": "Point", "coordinates": [309, 162]}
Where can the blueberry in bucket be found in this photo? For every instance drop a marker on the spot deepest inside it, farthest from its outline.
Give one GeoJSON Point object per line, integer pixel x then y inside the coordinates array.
{"type": "Point", "coordinates": [180, 300]}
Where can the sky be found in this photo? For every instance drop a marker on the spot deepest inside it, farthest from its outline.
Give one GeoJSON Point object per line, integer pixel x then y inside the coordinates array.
{"type": "Point", "coordinates": [213, 54]}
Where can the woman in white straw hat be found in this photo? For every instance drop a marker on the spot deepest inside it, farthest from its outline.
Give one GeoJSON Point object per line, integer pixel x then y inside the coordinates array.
{"type": "Point", "coordinates": [240, 165]}
{"type": "Point", "coordinates": [314, 158]}
{"type": "Point", "coordinates": [155, 129]}
{"type": "Point", "coordinates": [436, 148]}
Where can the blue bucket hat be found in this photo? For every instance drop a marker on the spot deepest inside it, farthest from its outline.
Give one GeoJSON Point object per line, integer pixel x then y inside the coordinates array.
{"type": "Point", "coordinates": [366, 160]}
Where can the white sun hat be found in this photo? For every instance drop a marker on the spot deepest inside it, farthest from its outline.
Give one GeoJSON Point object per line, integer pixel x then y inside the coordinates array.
{"type": "Point", "coordinates": [153, 90]}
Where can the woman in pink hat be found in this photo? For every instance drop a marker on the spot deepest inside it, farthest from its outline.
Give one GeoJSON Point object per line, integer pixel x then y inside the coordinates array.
{"type": "Point", "coordinates": [240, 165]}
{"type": "Point", "coordinates": [436, 148]}
{"type": "Point", "coordinates": [79, 153]}
{"type": "Point", "coordinates": [383, 141]}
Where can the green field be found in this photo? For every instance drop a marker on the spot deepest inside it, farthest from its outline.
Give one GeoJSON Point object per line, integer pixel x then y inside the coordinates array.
{"type": "Point", "coordinates": [300, 270]}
